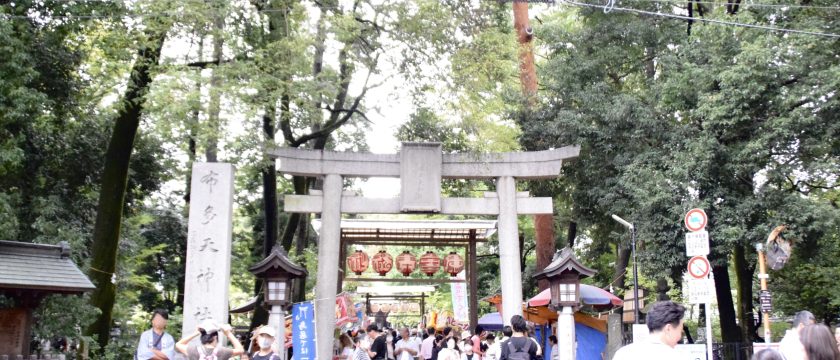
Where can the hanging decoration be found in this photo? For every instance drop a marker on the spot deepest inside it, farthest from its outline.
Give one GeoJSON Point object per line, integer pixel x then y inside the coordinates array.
{"type": "Point", "coordinates": [429, 263]}
{"type": "Point", "coordinates": [453, 263]}
{"type": "Point", "coordinates": [358, 262]}
{"type": "Point", "coordinates": [382, 262]}
{"type": "Point", "coordinates": [406, 263]}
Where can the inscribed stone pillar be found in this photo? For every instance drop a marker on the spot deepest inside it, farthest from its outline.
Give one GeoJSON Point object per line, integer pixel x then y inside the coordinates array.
{"type": "Point", "coordinates": [208, 245]}
{"type": "Point", "coordinates": [328, 264]}
{"type": "Point", "coordinates": [509, 262]}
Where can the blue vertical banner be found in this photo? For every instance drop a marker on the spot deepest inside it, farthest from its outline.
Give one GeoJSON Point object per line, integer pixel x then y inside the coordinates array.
{"type": "Point", "coordinates": [303, 331]}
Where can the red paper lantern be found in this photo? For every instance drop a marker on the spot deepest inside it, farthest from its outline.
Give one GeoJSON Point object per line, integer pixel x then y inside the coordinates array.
{"type": "Point", "coordinates": [382, 262]}
{"type": "Point", "coordinates": [406, 263]}
{"type": "Point", "coordinates": [429, 263]}
{"type": "Point", "coordinates": [358, 262]}
{"type": "Point", "coordinates": [453, 264]}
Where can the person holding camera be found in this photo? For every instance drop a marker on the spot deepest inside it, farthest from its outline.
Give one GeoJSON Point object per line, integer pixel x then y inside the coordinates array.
{"type": "Point", "coordinates": [209, 348]}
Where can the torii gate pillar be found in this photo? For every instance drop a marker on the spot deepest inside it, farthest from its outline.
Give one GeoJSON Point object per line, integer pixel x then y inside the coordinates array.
{"type": "Point", "coordinates": [420, 166]}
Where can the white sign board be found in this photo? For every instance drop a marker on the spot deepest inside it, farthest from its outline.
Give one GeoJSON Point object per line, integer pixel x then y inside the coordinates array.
{"type": "Point", "coordinates": [208, 245]}
{"type": "Point", "coordinates": [691, 351]}
{"type": "Point", "coordinates": [701, 291]}
{"type": "Point", "coordinates": [697, 243]}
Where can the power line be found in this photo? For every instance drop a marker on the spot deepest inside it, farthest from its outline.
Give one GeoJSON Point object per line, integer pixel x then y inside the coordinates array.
{"type": "Point", "coordinates": [746, 4]}
{"type": "Point", "coordinates": [116, 16]}
{"type": "Point", "coordinates": [712, 21]}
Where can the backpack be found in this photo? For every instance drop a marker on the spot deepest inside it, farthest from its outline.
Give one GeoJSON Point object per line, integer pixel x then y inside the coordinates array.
{"type": "Point", "coordinates": [212, 356]}
{"type": "Point", "coordinates": [518, 354]}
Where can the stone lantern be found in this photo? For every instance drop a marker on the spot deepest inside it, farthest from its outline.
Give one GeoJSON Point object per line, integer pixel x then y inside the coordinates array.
{"type": "Point", "coordinates": [564, 274]}
{"type": "Point", "coordinates": [277, 272]}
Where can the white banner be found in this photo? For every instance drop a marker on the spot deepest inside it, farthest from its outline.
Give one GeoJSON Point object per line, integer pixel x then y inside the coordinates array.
{"type": "Point", "coordinates": [460, 308]}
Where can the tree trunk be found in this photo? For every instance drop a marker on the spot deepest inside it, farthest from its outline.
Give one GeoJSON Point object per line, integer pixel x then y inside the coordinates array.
{"type": "Point", "coordinates": [726, 308]}
{"type": "Point", "coordinates": [544, 229]}
{"type": "Point", "coordinates": [524, 32]}
{"type": "Point", "coordinates": [214, 126]}
{"type": "Point", "coordinates": [109, 210]}
{"type": "Point", "coordinates": [522, 261]}
{"type": "Point", "coordinates": [192, 125]}
{"type": "Point", "coordinates": [292, 222]}
{"type": "Point", "coordinates": [744, 279]}
{"type": "Point", "coordinates": [269, 177]}
{"type": "Point", "coordinates": [301, 243]}
{"type": "Point", "coordinates": [571, 235]}
{"type": "Point", "coordinates": [622, 259]}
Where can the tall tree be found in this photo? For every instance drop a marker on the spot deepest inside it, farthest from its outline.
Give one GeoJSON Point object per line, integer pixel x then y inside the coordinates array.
{"type": "Point", "coordinates": [106, 233]}
{"type": "Point", "coordinates": [667, 123]}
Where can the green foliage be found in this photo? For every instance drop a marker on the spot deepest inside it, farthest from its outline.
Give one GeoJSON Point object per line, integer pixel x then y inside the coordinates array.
{"type": "Point", "coordinates": [807, 281]}
{"type": "Point", "coordinates": [739, 122]}
{"type": "Point", "coordinates": [60, 315]}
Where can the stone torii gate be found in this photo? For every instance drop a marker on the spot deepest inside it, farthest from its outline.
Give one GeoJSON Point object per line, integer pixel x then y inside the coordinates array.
{"type": "Point", "coordinates": [420, 167]}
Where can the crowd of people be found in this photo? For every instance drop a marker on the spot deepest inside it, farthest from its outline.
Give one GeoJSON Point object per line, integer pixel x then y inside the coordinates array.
{"type": "Point", "coordinates": [515, 342]}
{"type": "Point", "coordinates": [807, 340]}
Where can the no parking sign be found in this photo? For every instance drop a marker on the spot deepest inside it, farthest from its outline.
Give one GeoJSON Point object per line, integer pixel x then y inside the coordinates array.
{"type": "Point", "coordinates": [696, 220]}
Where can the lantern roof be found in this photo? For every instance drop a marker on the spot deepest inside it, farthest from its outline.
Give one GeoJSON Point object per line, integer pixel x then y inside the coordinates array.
{"type": "Point", "coordinates": [564, 262]}
{"type": "Point", "coordinates": [277, 263]}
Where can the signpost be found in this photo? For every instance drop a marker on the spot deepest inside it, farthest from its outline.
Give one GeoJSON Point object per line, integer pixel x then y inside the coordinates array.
{"type": "Point", "coordinates": [701, 283]}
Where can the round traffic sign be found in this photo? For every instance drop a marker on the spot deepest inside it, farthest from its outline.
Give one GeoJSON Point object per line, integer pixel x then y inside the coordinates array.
{"type": "Point", "coordinates": [695, 219]}
{"type": "Point", "coordinates": [699, 267]}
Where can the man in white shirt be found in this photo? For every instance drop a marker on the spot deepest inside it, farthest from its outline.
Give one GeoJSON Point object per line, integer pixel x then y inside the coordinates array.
{"type": "Point", "coordinates": [492, 348]}
{"type": "Point", "coordinates": [406, 348]}
{"type": "Point", "coordinates": [665, 322]}
{"type": "Point", "coordinates": [418, 342]}
{"type": "Point", "coordinates": [156, 343]}
{"type": "Point", "coordinates": [790, 346]}
{"type": "Point", "coordinates": [428, 345]}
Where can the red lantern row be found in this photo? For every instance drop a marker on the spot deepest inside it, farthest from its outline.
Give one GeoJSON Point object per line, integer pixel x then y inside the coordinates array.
{"type": "Point", "coordinates": [382, 263]}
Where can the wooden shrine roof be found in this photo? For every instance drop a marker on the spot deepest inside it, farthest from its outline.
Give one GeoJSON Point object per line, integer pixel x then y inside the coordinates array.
{"type": "Point", "coordinates": [48, 268]}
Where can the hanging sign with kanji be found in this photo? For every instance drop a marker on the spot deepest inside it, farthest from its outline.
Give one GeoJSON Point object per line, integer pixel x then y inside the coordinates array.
{"type": "Point", "coordinates": [303, 331]}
